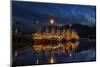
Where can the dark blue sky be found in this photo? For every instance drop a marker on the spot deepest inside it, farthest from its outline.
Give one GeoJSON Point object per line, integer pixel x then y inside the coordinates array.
{"type": "Point", "coordinates": [27, 13]}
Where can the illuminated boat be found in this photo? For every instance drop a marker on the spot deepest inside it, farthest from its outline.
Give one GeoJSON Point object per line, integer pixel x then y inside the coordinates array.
{"type": "Point", "coordinates": [71, 35]}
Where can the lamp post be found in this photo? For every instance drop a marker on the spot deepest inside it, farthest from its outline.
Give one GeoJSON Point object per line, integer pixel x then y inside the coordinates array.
{"type": "Point", "coordinates": [52, 29]}
{"type": "Point", "coordinates": [37, 22]}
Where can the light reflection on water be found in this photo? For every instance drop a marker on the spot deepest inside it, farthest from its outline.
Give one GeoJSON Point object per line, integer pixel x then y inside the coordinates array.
{"type": "Point", "coordinates": [52, 60]}
{"type": "Point", "coordinates": [51, 49]}
{"type": "Point", "coordinates": [82, 50]}
{"type": "Point", "coordinates": [37, 61]}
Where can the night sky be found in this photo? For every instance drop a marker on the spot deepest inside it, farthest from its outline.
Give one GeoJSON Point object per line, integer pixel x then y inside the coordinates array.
{"type": "Point", "coordinates": [25, 14]}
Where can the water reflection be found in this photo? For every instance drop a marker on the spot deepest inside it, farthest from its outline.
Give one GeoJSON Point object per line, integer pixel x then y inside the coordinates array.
{"type": "Point", "coordinates": [50, 50]}
{"type": "Point", "coordinates": [37, 61]}
{"type": "Point", "coordinates": [52, 60]}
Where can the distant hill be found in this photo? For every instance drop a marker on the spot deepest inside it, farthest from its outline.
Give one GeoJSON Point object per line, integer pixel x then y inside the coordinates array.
{"type": "Point", "coordinates": [82, 30]}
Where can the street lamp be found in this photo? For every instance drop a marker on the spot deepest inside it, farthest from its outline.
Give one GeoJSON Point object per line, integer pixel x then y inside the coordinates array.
{"type": "Point", "coordinates": [37, 22]}
{"type": "Point", "coordinates": [52, 26]}
{"type": "Point", "coordinates": [51, 21]}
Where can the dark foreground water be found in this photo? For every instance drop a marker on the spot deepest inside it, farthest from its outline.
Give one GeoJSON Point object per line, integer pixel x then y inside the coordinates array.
{"type": "Point", "coordinates": [86, 51]}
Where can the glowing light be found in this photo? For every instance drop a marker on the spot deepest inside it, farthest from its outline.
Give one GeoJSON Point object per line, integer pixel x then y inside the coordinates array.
{"type": "Point", "coordinates": [16, 31]}
{"type": "Point", "coordinates": [52, 21]}
{"type": "Point", "coordinates": [51, 60]}
{"type": "Point", "coordinates": [37, 61]}
{"type": "Point", "coordinates": [70, 25]}
{"type": "Point", "coordinates": [70, 54]}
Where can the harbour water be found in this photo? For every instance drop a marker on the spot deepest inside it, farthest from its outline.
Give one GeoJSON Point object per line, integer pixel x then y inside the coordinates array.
{"type": "Point", "coordinates": [56, 53]}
